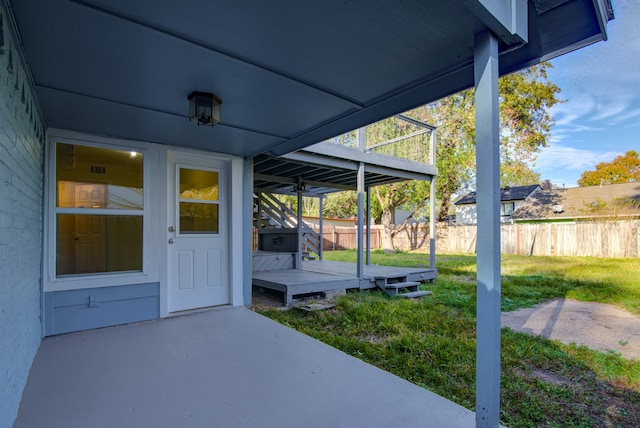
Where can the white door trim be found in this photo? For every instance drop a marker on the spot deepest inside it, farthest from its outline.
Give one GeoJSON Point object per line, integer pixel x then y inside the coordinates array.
{"type": "Point", "coordinates": [198, 265]}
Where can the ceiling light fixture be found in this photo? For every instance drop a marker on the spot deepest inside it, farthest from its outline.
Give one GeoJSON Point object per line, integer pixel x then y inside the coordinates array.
{"type": "Point", "coordinates": [204, 108]}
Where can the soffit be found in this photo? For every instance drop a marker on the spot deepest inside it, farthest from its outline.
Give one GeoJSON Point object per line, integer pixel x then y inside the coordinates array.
{"type": "Point", "coordinates": [290, 73]}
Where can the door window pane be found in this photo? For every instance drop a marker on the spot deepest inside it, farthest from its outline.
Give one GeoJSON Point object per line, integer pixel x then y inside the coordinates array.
{"type": "Point", "coordinates": [98, 243]}
{"type": "Point", "coordinates": [197, 184]}
{"type": "Point", "coordinates": [198, 218]}
{"type": "Point", "coordinates": [198, 201]}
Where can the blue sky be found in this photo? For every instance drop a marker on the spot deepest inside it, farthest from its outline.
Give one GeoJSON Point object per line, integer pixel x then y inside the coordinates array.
{"type": "Point", "coordinates": [601, 116]}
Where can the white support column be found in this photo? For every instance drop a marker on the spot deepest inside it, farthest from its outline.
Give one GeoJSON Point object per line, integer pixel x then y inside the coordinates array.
{"type": "Point", "coordinates": [488, 207]}
{"type": "Point", "coordinates": [361, 139]}
{"type": "Point", "coordinates": [432, 203]}
{"type": "Point", "coordinates": [359, 267]}
{"type": "Point", "coordinates": [247, 229]}
{"type": "Point", "coordinates": [299, 256]}
{"type": "Point", "coordinates": [368, 221]}
{"type": "Point", "coordinates": [320, 225]}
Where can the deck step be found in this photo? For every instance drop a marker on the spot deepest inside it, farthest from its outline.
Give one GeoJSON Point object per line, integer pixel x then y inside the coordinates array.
{"type": "Point", "coordinates": [393, 286]}
{"type": "Point", "coordinates": [415, 294]}
{"type": "Point", "coordinates": [404, 284]}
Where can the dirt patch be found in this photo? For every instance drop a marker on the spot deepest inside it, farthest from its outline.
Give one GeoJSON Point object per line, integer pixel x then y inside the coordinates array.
{"type": "Point", "coordinates": [598, 326]}
{"type": "Point", "coordinates": [545, 376]}
{"type": "Point", "coordinates": [372, 338]}
{"type": "Point", "coordinates": [263, 299]}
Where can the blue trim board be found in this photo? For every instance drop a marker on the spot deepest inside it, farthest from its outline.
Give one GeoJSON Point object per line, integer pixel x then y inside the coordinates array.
{"type": "Point", "coordinates": [75, 310]}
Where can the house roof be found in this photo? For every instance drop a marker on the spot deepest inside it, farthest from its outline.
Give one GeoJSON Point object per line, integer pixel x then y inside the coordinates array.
{"type": "Point", "coordinates": [516, 193]}
{"type": "Point", "coordinates": [582, 202]}
{"type": "Point", "coordinates": [290, 74]}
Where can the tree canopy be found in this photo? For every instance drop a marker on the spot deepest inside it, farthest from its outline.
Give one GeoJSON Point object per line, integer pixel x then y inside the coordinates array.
{"type": "Point", "coordinates": [525, 123]}
{"type": "Point", "coordinates": [623, 169]}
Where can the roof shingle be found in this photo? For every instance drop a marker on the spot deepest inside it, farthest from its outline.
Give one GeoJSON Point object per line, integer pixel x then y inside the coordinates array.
{"type": "Point", "coordinates": [517, 193]}
{"type": "Point", "coordinates": [582, 202]}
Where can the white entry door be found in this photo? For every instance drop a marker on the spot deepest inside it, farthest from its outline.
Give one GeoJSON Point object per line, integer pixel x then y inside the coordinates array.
{"type": "Point", "coordinates": [198, 236]}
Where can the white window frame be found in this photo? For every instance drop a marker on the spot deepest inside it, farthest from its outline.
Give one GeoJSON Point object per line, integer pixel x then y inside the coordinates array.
{"type": "Point", "coordinates": [180, 166]}
{"type": "Point", "coordinates": [101, 279]}
{"type": "Point", "coordinates": [512, 204]}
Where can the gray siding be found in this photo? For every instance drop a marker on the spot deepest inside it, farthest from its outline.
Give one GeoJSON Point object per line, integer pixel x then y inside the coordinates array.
{"type": "Point", "coordinates": [75, 310]}
{"type": "Point", "coordinates": [21, 157]}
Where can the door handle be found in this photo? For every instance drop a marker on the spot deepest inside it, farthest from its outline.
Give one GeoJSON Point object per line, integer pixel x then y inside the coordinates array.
{"type": "Point", "coordinates": [171, 241]}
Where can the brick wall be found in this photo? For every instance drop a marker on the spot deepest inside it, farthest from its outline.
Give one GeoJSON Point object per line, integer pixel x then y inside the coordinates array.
{"type": "Point", "coordinates": [21, 186]}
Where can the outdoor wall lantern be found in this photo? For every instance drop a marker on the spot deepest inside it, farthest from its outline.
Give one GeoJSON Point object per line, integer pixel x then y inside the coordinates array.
{"type": "Point", "coordinates": [204, 108]}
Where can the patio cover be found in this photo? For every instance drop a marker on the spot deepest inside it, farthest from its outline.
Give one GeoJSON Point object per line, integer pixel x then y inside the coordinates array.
{"type": "Point", "coordinates": [290, 74]}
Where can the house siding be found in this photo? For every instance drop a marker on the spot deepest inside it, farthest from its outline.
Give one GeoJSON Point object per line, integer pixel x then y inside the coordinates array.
{"type": "Point", "coordinates": [21, 183]}
{"type": "Point", "coordinates": [466, 214]}
{"type": "Point", "coordinates": [83, 309]}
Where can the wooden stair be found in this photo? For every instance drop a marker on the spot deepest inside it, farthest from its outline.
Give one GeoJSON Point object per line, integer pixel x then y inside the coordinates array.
{"type": "Point", "coordinates": [400, 287]}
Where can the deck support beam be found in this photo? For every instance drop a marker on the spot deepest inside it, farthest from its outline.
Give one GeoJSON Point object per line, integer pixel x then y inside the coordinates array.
{"type": "Point", "coordinates": [360, 226]}
{"type": "Point", "coordinates": [368, 220]}
{"type": "Point", "coordinates": [432, 202]}
{"type": "Point", "coordinates": [361, 139]}
{"type": "Point", "coordinates": [488, 206]}
{"type": "Point", "coordinates": [299, 225]}
{"type": "Point", "coordinates": [320, 224]}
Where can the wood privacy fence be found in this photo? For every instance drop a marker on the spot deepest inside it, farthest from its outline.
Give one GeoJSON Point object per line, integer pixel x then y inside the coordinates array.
{"type": "Point", "coordinates": [339, 238]}
{"type": "Point", "coordinates": [345, 238]}
{"type": "Point", "coordinates": [594, 239]}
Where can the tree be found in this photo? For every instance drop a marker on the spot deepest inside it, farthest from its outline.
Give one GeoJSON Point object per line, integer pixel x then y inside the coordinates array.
{"type": "Point", "coordinates": [341, 205]}
{"type": "Point", "coordinates": [623, 169]}
{"type": "Point", "coordinates": [525, 123]}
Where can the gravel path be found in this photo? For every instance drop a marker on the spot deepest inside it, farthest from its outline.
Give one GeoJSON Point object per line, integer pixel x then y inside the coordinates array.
{"type": "Point", "coordinates": [595, 325]}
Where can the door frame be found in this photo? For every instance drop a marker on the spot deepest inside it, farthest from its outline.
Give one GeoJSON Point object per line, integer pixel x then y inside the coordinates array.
{"type": "Point", "coordinates": [236, 263]}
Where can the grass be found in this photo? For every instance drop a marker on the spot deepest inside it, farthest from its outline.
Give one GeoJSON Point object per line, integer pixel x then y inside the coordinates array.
{"type": "Point", "coordinates": [431, 342]}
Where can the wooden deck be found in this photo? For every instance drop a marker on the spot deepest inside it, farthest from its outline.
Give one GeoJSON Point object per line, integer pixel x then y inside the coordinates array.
{"type": "Point", "coordinates": [319, 277]}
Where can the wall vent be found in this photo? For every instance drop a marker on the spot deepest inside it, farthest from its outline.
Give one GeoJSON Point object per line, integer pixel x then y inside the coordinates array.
{"type": "Point", "coordinates": [98, 169]}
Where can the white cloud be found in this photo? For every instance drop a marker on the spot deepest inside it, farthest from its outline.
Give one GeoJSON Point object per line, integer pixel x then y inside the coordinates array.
{"type": "Point", "coordinates": [601, 86]}
{"type": "Point", "coordinates": [611, 107]}
{"type": "Point", "coordinates": [630, 117]}
{"type": "Point", "coordinates": [569, 158]}
{"type": "Point", "coordinates": [601, 83]}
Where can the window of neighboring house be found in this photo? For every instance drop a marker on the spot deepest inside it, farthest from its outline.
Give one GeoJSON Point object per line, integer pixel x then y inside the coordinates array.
{"type": "Point", "coordinates": [99, 210]}
{"type": "Point", "coordinates": [506, 208]}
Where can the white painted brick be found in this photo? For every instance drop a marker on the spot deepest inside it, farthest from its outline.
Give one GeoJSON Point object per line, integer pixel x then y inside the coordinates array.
{"type": "Point", "coordinates": [21, 184]}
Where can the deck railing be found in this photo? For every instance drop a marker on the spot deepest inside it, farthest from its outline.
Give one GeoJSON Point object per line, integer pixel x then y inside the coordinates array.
{"type": "Point", "coordinates": [271, 213]}
{"type": "Point", "coordinates": [398, 136]}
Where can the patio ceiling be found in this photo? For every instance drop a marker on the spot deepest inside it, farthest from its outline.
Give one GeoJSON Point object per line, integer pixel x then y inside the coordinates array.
{"type": "Point", "coordinates": [290, 73]}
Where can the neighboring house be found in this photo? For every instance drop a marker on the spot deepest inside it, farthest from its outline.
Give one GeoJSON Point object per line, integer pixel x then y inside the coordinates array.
{"type": "Point", "coordinates": [510, 199]}
{"type": "Point", "coordinates": [606, 202]}
{"type": "Point", "coordinates": [116, 206]}
{"type": "Point", "coordinates": [400, 216]}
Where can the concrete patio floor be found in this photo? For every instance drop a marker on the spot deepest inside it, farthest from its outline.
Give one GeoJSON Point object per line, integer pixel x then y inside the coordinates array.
{"type": "Point", "coordinates": [228, 367]}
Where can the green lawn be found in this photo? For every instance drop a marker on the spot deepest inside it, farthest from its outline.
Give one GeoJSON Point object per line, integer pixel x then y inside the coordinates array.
{"type": "Point", "coordinates": [431, 341]}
